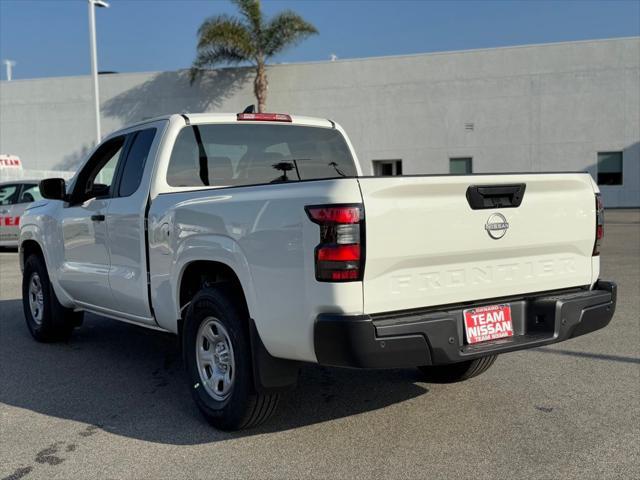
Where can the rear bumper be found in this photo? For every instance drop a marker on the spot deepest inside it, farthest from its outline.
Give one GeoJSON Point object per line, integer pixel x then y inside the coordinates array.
{"type": "Point", "coordinates": [409, 339]}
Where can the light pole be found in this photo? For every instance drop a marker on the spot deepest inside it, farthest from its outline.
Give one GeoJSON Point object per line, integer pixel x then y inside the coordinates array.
{"type": "Point", "coordinates": [9, 64]}
{"type": "Point", "coordinates": [94, 60]}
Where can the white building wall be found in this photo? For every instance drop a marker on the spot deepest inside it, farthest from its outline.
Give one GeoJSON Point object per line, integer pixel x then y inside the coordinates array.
{"type": "Point", "coordinates": [533, 108]}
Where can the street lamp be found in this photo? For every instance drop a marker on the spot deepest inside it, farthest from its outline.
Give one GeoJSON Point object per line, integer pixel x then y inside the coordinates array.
{"type": "Point", "coordinates": [9, 64]}
{"type": "Point", "coordinates": [94, 60]}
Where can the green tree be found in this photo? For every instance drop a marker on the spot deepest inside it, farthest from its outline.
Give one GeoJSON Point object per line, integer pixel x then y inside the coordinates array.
{"type": "Point", "coordinates": [249, 38]}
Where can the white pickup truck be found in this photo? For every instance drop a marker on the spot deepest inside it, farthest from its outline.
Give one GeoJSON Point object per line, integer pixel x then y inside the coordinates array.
{"type": "Point", "coordinates": [257, 240]}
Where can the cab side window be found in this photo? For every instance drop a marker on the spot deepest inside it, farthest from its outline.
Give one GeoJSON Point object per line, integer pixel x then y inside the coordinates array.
{"type": "Point", "coordinates": [136, 159]}
{"type": "Point", "coordinates": [96, 179]}
{"type": "Point", "coordinates": [106, 175]}
{"type": "Point", "coordinates": [8, 194]}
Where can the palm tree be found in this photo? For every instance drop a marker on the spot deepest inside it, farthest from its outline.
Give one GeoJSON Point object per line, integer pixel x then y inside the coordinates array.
{"type": "Point", "coordinates": [249, 38]}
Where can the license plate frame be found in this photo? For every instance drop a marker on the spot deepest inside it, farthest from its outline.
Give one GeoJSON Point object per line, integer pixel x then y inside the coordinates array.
{"type": "Point", "coordinates": [487, 323]}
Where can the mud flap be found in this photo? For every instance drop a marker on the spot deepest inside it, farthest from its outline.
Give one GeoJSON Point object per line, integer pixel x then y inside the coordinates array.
{"type": "Point", "coordinates": [270, 374]}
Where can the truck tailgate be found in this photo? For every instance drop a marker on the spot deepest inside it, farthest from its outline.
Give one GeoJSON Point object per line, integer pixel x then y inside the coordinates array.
{"type": "Point", "coordinates": [426, 245]}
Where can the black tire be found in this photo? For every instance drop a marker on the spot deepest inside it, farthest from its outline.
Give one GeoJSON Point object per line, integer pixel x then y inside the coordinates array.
{"type": "Point", "coordinates": [242, 407]}
{"type": "Point", "coordinates": [54, 322]}
{"type": "Point", "coordinates": [457, 372]}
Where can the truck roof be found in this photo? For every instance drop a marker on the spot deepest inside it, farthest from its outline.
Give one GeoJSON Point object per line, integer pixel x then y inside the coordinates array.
{"type": "Point", "coordinates": [200, 118]}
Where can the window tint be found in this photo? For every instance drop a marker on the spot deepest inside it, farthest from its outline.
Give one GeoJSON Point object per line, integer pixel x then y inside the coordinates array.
{"type": "Point", "coordinates": [239, 154]}
{"type": "Point", "coordinates": [96, 177]}
{"type": "Point", "coordinates": [460, 165]}
{"type": "Point", "coordinates": [610, 168]}
{"type": "Point", "coordinates": [134, 165]}
{"type": "Point", "coordinates": [30, 193]}
{"type": "Point", "coordinates": [8, 194]}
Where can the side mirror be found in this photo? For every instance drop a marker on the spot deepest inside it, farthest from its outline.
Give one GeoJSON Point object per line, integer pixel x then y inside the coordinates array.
{"type": "Point", "coordinates": [53, 189]}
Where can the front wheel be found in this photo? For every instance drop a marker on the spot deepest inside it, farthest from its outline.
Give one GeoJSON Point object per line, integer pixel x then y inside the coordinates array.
{"type": "Point", "coordinates": [217, 356]}
{"type": "Point", "coordinates": [457, 372]}
{"type": "Point", "coordinates": [47, 319]}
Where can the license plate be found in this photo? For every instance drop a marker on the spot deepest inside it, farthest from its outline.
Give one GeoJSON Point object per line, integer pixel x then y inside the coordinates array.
{"type": "Point", "coordinates": [482, 324]}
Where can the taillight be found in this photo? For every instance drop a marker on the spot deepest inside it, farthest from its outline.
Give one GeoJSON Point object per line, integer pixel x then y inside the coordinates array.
{"type": "Point", "coordinates": [264, 117]}
{"type": "Point", "coordinates": [599, 225]}
{"type": "Point", "coordinates": [339, 257]}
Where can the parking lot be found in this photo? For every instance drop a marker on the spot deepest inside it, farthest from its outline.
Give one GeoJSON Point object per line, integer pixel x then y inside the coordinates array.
{"type": "Point", "coordinates": [112, 403]}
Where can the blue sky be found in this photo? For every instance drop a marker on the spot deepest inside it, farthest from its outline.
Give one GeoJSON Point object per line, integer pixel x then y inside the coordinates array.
{"type": "Point", "coordinates": [50, 37]}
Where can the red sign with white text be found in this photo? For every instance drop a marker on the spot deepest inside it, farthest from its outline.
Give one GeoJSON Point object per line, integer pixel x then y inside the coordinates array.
{"type": "Point", "coordinates": [10, 221]}
{"type": "Point", "coordinates": [488, 323]}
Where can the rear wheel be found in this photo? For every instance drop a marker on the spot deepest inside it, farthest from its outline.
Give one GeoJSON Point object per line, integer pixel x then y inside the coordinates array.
{"type": "Point", "coordinates": [217, 356]}
{"type": "Point", "coordinates": [47, 319]}
{"type": "Point", "coordinates": [457, 372]}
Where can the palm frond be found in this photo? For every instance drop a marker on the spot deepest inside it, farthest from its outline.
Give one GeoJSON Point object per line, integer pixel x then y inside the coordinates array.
{"type": "Point", "coordinates": [252, 12]}
{"type": "Point", "coordinates": [214, 55]}
{"type": "Point", "coordinates": [226, 31]}
{"type": "Point", "coordinates": [211, 56]}
{"type": "Point", "coordinates": [222, 39]}
{"type": "Point", "coordinates": [284, 30]}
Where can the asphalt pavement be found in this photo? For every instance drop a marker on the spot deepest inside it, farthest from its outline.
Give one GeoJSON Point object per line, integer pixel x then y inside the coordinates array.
{"type": "Point", "coordinates": [112, 403]}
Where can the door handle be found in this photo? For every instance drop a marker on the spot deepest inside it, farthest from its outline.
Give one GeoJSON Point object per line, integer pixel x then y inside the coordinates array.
{"type": "Point", "coordinates": [97, 218]}
{"type": "Point", "coordinates": [495, 196]}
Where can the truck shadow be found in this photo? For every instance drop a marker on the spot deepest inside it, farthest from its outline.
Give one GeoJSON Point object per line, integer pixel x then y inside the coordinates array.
{"type": "Point", "coordinates": [128, 381]}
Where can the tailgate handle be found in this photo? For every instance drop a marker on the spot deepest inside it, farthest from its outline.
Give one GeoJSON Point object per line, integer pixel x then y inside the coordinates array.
{"type": "Point", "coordinates": [495, 196]}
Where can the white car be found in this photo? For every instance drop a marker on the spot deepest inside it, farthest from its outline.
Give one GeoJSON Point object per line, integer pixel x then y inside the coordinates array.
{"type": "Point", "coordinates": [256, 238]}
{"type": "Point", "coordinates": [15, 197]}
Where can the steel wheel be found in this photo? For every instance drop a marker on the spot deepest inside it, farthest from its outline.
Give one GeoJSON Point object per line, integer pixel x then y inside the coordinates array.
{"type": "Point", "coordinates": [216, 348]}
{"type": "Point", "coordinates": [214, 356]}
{"type": "Point", "coordinates": [36, 298]}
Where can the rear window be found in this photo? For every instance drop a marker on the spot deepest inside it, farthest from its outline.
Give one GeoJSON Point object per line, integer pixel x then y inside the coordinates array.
{"type": "Point", "coordinates": [239, 154]}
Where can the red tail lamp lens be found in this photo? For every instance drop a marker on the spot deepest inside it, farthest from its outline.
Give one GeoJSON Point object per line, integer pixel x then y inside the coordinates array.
{"type": "Point", "coordinates": [599, 225]}
{"type": "Point", "coordinates": [345, 275]}
{"type": "Point", "coordinates": [339, 257]}
{"type": "Point", "coordinates": [324, 215]}
{"type": "Point", "coordinates": [340, 253]}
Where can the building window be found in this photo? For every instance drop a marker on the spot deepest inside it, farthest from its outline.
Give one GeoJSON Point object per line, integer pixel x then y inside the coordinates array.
{"type": "Point", "coordinates": [387, 168]}
{"type": "Point", "coordinates": [609, 168]}
{"type": "Point", "coordinates": [460, 165]}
